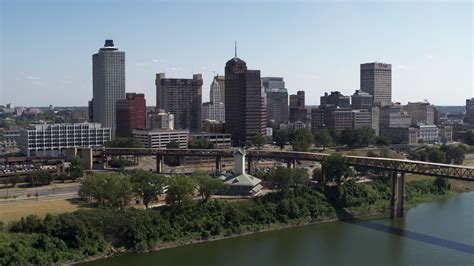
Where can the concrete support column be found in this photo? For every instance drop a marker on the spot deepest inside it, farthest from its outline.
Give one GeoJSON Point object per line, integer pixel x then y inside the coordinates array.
{"type": "Point", "coordinates": [87, 160]}
{"type": "Point", "coordinates": [398, 195]}
{"type": "Point", "coordinates": [218, 165]}
{"type": "Point", "coordinates": [160, 164]}
{"type": "Point", "coordinates": [249, 165]}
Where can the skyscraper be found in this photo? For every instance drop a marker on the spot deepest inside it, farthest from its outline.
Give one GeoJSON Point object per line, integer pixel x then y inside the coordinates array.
{"type": "Point", "coordinates": [182, 98]}
{"type": "Point", "coordinates": [277, 99]}
{"type": "Point", "coordinates": [221, 82]}
{"type": "Point", "coordinates": [108, 76]}
{"type": "Point", "coordinates": [245, 104]}
{"type": "Point", "coordinates": [469, 111]}
{"type": "Point", "coordinates": [214, 110]}
{"type": "Point", "coordinates": [131, 114]}
{"type": "Point", "coordinates": [376, 80]}
{"type": "Point", "coordinates": [297, 107]}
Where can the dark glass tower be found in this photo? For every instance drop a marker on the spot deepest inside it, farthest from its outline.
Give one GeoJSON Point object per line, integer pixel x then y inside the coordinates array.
{"type": "Point", "coordinates": [245, 108]}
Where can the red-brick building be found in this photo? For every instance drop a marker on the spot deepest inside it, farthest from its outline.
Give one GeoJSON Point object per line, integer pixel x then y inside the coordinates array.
{"type": "Point", "coordinates": [130, 114]}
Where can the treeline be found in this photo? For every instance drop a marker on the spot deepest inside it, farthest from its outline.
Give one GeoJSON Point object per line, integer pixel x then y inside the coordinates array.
{"type": "Point", "coordinates": [449, 154]}
{"type": "Point", "coordinates": [74, 236]}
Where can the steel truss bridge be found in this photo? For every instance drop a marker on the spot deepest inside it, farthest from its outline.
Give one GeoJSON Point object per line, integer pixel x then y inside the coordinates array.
{"type": "Point", "coordinates": [397, 168]}
{"type": "Point", "coordinates": [395, 165]}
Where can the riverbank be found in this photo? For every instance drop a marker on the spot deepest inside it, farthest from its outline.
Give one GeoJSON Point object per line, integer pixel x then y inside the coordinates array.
{"type": "Point", "coordinates": [100, 233]}
{"type": "Point", "coordinates": [355, 213]}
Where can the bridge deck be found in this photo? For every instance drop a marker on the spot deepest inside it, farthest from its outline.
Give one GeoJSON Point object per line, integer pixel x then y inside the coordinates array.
{"type": "Point", "coordinates": [401, 165]}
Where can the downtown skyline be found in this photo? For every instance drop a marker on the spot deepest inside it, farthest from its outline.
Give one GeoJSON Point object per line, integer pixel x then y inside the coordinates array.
{"type": "Point", "coordinates": [320, 46]}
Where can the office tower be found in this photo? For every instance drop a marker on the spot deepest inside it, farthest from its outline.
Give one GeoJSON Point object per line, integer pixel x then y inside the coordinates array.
{"type": "Point", "coordinates": [44, 140]}
{"type": "Point", "coordinates": [108, 75]}
{"type": "Point", "coordinates": [214, 110]}
{"type": "Point", "coordinates": [361, 100]}
{"type": "Point", "coordinates": [469, 111]}
{"type": "Point", "coordinates": [245, 109]}
{"type": "Point", "coordinates": [131, 114]}
{"type": "Point", "coordinates": [376, 80]}
{"type": "Point", "coordinates": [335, 99]}
{"type": "Point", "coordinates": [298, 111]}
{"type": "Point", "coordinates": [221, 82]}
{"type": "Point", "coordinates": [182, 98]}
{"type": "Point", "coordinates": [277, 99]}
{"type": "Point", "coordinates": [422, 113]}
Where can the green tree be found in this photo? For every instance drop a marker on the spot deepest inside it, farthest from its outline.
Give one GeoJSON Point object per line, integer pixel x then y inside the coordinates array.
{"type": "Point", "coordinates": [469, 138]}
{"type": "Point", "coordinates": [107, 189]}
{"type": "Point", "coordinates": [436, 156]}
{"type": "Point", "coordinates": [200, 143]}
{"type": "Point", "coordinates": [280, 137]}
{"type": "Point", "coordinates": [302, 140]}
{"type": "Point", "coordinates": [323, 138]}
{"type": "Point", "coordinates": [366, 136]}
{"type": "Point", "coordinates": [258, 140]}
{"type": "Point", "coordinates": [147, 185]}
{"type": "Point", "coordinates": [334, 167]}
{"type": "Point", "coordinates": [382, 141]}
{"type": "Point", "coordinates": [180, 190]}
{"type": "Point", "coordinates": [454, 154]}
{"type": "Point", "coordinates": [299, 176]}
{"type": "Point", "coordinates": [349, 137]}
{"type": "Point", "coordinates": [76, 169]}
{"type": "Point", "coordinates": [207, 185]}
{"type": "Point", "coordinates": [317, 174]}
{"type": "Point", "coordinates": [281, 177]}
{"type": "Point", "coordinates": [441, 185]}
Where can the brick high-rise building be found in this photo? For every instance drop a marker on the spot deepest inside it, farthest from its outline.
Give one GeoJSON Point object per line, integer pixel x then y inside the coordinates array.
{"type": "Point", "coordinates": [376, 80]}
{"type": "Point", "coordinates": [298, 110]}
{"type": "Point", "coordinates": [277, 99]}
{"type": "Point", "coordinates": [108, 76]}
{"type": "Point", "coordinates": [130, 114]}
{"type": "Point", "coordinates": [182, 98]}
{"type": "Point", "coordinates": [245, 110]}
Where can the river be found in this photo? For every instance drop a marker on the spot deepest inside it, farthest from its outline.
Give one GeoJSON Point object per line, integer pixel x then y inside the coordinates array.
{"type": "Point", "coordinates": [440, 232]}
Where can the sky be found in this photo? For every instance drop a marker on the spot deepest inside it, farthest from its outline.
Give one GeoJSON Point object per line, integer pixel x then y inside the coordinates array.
{"type": "Point", "coordinates": [317, 46]}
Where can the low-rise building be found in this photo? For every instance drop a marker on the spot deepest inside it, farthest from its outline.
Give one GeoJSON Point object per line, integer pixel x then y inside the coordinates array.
{"type": "Point", "coordinates": [9, 140]}
{"type": "Point", "coordinates": [159, 138]}
{"type": "Point", "coordinates": [220, 140]}
{"type": "Point", "coordinates": [241, 183]}
{"type": "Point", "coordinates": [51, 140]}
{"type": "Point", "coordinates": [160, 120]}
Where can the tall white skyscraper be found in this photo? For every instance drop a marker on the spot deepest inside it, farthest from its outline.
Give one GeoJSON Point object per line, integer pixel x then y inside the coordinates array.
{"type": "Point", "coordinates": [215, 109]}
{"type": "Point", "coordinates": [108, 82]}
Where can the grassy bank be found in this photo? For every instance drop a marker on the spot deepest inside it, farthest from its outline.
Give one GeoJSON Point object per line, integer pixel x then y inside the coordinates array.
{"type": "Point", "coordinates": [95, 233]}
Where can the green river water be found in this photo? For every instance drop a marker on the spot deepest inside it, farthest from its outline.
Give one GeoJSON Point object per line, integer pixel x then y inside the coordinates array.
{"type": "Point", "coordinates": [440, 232]}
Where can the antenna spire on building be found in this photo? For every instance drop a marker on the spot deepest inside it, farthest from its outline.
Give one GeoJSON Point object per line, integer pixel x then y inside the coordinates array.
{"type": "Point", "coordinates": [235, 49]}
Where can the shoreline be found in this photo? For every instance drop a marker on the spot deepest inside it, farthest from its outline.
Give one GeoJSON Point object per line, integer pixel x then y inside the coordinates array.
{"type": "Point", "coordinates": [267, 228]}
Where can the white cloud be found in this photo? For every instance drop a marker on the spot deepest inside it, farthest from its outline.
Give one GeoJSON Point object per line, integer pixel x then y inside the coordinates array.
{"type": "Point", "coordinates": [429, 57]}
{"type": "Point", "coordinates": [33, 78]}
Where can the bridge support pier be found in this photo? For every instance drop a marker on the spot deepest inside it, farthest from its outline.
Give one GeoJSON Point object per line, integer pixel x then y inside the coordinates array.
{"type": "Point", "coordinates": [87, 159]}
{"type": "Point", "coordinates": [218, 165]}
{"type": "Point", "coordinates": [249, 165]}
{"type": "Point", "coordinates": [160, 164]}
{"type": "Point", "coordinates": [398, 195]}
{"type": "Point", "coordinates": [291, 163]}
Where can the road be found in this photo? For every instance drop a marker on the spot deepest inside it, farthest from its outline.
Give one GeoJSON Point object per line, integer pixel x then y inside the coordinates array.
{"type": "Point", "coordinates": [14, 195]}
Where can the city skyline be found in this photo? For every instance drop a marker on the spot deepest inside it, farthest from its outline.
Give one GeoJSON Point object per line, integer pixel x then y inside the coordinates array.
{"type": "Point", "coordinates": [322, 46]}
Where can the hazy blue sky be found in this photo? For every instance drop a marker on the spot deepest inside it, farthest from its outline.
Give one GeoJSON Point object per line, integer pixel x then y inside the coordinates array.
{"type": "Point", "coordinates": [47, 46]}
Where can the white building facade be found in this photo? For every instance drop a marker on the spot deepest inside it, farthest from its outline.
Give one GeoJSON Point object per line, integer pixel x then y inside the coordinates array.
{"type": "Point", "coordinates": [158, 138]}
{"type": "Point", "coordinates": [52, 140]}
